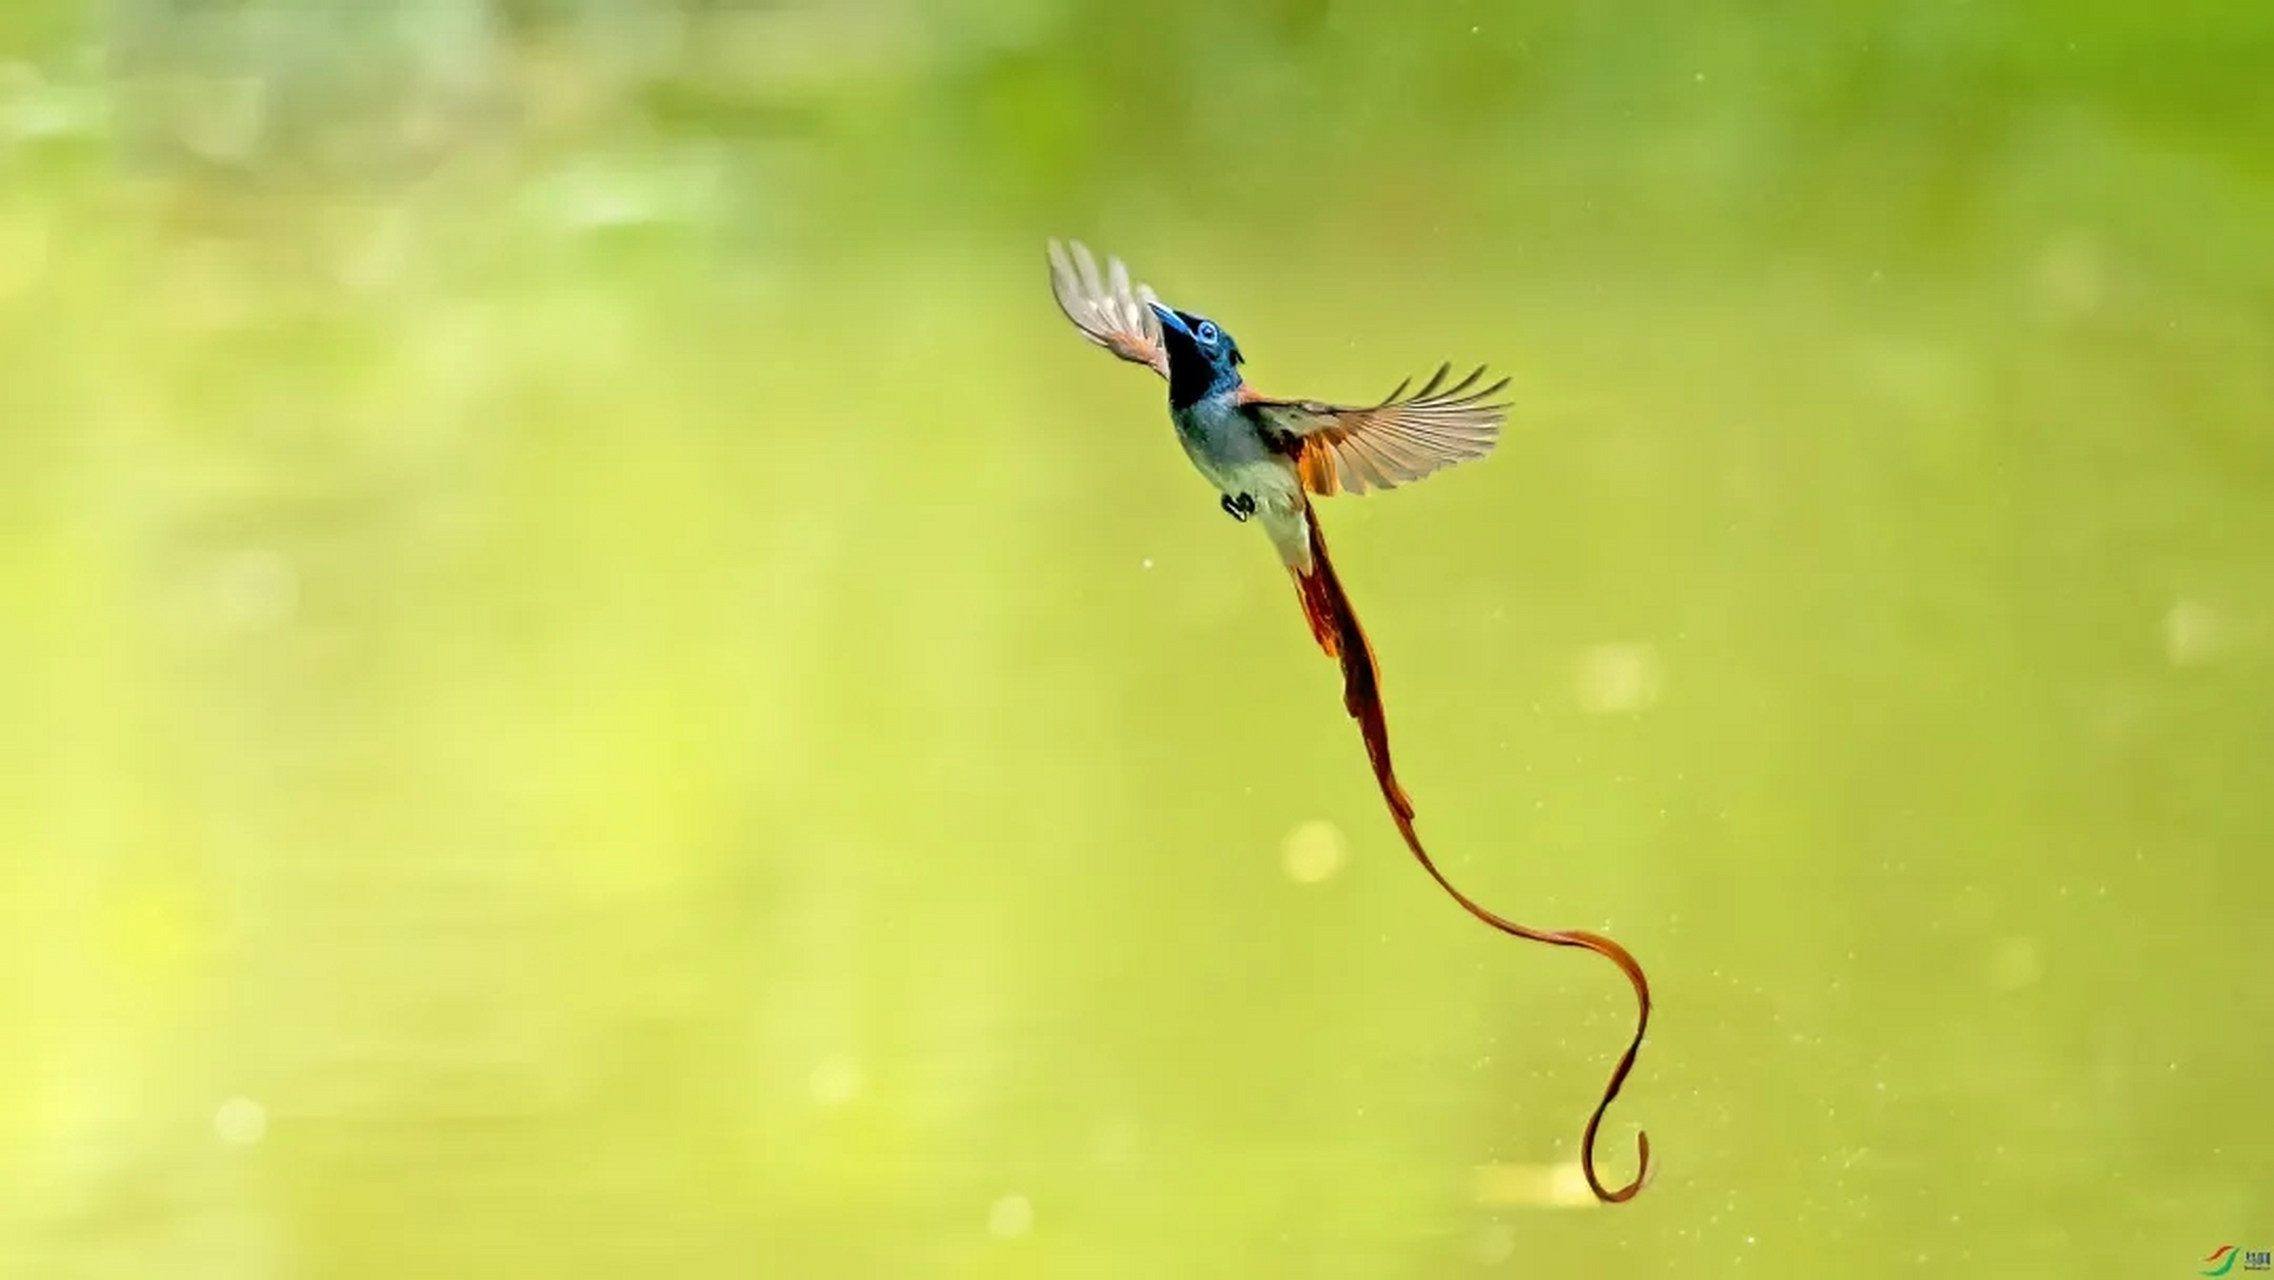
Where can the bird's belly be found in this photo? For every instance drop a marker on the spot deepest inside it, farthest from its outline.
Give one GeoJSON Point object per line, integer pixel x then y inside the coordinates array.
{"type": "Point", "coordinates": [1232, 458]}
{"type": "Point", "coordinates": [1267, 479]}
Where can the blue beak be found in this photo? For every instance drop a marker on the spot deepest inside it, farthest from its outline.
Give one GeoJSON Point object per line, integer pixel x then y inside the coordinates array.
{"type": "Point", "coordinates": [1170, 319]}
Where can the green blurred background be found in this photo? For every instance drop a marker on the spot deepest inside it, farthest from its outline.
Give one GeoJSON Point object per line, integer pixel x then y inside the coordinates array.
{"type": "Point", "coordinates": [593, 683]}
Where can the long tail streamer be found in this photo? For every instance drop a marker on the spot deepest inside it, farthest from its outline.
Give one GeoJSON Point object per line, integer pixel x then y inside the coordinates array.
{"type": "Point", "coordinates": [1335, 625]}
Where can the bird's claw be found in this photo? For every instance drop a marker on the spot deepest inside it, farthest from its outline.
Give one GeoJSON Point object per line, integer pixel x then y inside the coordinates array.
{"type": "Point", "coordinates": [1239, 508]}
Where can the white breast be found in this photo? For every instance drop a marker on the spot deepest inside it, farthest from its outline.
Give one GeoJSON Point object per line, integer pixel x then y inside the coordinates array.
{"type": "Point", "coordinates": [1225, 448]}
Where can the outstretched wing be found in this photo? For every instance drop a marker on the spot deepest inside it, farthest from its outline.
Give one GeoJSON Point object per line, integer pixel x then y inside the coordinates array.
{"type": "Point", "coordinates": [1345, 449]}
{"type": "Point", "coordinates": [1110, 312]}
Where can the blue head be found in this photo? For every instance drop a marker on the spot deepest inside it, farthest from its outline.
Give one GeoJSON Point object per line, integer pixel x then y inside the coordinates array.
{"type": "Point", "coordinates": [1203, 359]}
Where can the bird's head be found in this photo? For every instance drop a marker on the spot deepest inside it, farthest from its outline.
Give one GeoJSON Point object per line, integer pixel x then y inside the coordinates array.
{"type": "Point", "coordinates": [1203, 359]}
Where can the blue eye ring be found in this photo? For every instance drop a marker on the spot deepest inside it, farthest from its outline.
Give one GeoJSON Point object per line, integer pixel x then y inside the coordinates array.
{"type": "Point", "coordinates": [1206, 333]}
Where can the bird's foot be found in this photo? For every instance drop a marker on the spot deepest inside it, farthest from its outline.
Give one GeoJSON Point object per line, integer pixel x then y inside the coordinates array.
{"type": "Point", "coordinates": [1239, 508]}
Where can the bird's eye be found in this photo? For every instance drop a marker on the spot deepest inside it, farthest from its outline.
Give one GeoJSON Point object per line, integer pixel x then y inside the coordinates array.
{"type": "Point", "coordinates": [1206, 333]}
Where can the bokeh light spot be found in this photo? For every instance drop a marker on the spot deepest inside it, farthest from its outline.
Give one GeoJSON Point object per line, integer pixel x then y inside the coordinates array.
{"type": "Point", "coordinates": [1314, 852]}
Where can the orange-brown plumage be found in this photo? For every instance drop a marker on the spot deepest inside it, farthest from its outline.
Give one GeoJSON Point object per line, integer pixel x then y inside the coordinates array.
{"type": "Point", "coordinates": [1334, 624]}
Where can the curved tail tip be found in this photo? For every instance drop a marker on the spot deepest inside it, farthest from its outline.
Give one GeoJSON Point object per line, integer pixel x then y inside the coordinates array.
{"type": "Point", "coordinates": [1642, 1174]}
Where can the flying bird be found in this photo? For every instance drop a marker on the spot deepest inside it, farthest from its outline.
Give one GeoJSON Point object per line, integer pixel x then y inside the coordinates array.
{"type": "Point", "coordinates": [1267, 458]}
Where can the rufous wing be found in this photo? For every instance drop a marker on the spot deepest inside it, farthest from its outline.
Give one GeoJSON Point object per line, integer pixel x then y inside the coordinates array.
{"type": "Point", "coordinates": [1358, 449]}
{"type": "Point", "coordinates": [1110, 312]}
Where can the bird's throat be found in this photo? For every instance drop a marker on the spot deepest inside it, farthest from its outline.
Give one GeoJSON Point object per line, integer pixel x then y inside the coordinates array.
{"type": "Point", "coordinates": [1192, 381]}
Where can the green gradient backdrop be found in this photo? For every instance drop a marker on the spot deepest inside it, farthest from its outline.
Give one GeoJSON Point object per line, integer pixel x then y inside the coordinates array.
{"type": "Point", "coordinates": [592, 683]}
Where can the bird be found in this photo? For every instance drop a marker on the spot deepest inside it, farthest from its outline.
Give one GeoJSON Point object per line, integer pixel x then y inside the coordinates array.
{"type": "Point", "coordinates": [1267, 458]}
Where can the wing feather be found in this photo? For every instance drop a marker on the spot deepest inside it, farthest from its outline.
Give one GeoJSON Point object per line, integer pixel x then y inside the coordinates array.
{"type": "Point", "coordinates": [1358, 449]}
{"type": "Point", "coordinates": [1112, 312]}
